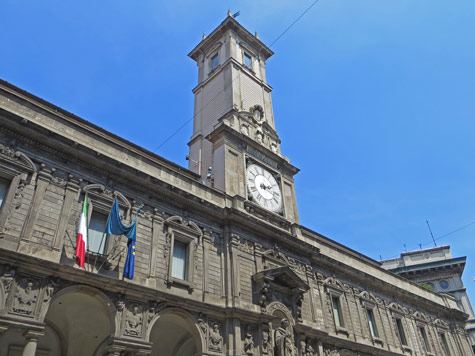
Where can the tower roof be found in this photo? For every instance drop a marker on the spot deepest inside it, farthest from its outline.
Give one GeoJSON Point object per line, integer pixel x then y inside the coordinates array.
{"type": "Point", "coordinates": [231, 23]}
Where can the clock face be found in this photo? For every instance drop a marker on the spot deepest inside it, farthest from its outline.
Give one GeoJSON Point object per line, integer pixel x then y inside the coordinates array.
{"type": "Point", "coordinates": [263, 188]}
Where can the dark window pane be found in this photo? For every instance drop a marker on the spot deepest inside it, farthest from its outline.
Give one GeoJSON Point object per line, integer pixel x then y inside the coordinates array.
{"type": "Point", "coordinates": [96, 237]}
{"type": "Point", "coordinates": [247, 60]}
{"type": "Point", "coordinates": [214, 62]}
{"type": "Point", "coordinates": [179, 260]}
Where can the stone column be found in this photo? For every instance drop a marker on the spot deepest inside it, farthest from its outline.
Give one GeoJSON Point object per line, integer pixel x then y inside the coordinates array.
{"type": "Point", "coordinates": [31, 343]}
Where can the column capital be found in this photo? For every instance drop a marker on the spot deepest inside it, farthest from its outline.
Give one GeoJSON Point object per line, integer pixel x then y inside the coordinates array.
{"type": "Point", "coordinates": [33, 334]}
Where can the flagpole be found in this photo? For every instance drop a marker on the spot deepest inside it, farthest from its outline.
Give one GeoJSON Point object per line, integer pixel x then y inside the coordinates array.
{"type": "Point", "coordinates": [87, 231]}
{"type": "Point", "coordinates": [102, 264]}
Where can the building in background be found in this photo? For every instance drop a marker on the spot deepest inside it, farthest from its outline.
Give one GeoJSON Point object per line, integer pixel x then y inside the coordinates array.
{"type": "Point", "coordinates": [222, 264]}
{"type": "Point", "coordinates": [438, 269]}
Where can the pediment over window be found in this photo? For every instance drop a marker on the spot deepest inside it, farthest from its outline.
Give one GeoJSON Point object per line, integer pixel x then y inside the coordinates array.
{"type": "Point", "coordinates": [282, 279]}
{"type": "Point", "coordinates": [369, 297]}
{"type": "Point", "coordinates": [185, 226]}
{"type": "Point", "coordinates": [398, 308]}
{"type": "Point", "coordinates": [440, 323]}
{"type": "Point", "coordinates": [420, 316]}
{"type": "Point", "coordinates": [16, 158]}
{"type": "Point", "coordinates": [274, 258]}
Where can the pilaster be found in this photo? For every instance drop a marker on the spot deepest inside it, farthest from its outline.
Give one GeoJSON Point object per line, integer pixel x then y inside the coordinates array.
{"type": "Point", "coordinates": [71, 192]}
{"type": "Point", "coordinates": [43, 180]}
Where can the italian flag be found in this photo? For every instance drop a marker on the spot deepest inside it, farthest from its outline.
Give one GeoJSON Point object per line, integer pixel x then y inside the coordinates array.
{"type": "Point", "coordinates": [82, 236]}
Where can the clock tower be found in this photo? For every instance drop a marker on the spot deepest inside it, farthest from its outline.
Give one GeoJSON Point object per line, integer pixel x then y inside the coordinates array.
{"type": "Point", "coordinates": [235, 146]}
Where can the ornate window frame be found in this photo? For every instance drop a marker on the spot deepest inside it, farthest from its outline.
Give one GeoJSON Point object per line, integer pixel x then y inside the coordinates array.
{"type": "Point", "coordinates": [444, 342]}
{"type": "Point", "coordinates": [403, 339]}
{"type": "Point", "coordinates": [370, 303]}
{"type": "Point", "coordinates": [337, 295]}
{"type": "Point", "coordinates": [100, 200]}
{"type": "Point", "coordinates": [19, 170]}
{"type": "Point", "coordinates": [187, 232]}
{"type": "Point", "coordinates": [424, 338]}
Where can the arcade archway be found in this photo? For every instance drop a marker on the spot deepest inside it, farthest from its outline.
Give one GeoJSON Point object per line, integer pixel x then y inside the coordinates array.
{"type": "Point", "coordinates": [174, 333]}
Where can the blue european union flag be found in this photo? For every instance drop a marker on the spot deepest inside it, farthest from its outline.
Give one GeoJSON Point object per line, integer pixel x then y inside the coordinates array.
{"type": "Point", "coordinates": [130, 260]}
{"type": "Point", "coordinates": [115, 227]}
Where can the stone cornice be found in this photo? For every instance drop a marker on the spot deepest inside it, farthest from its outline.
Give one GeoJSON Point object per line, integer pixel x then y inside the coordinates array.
{"type": "Point", "coordinates": [223, 66]}
{"type": "Point", "coordinates": [448, 264]}
{"type": "Point", "coordinates": [78, 123]}
{"type": "Point", "coordinates": [223, 129]}
{"type": "Point", "coordinates": [232, 24]}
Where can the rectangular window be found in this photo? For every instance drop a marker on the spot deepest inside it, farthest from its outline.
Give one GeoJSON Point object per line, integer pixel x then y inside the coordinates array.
{"type": "Point", "coordinates": [337, 311]}
{"type": "Point", "coordinates": [247, 61]}
{"type": "Point", "coordinates": [445, 345]}
{"type": "Point", "coordinates": [372, 323]}
{"type": "Point", "coordinates": [424, 339]}
{"type": "Point", "coordinates": [214, 62]}
{"type": "Point", "coordinates": [96, 236]}
{"type": "Point", "coordinates": [400, 332]}
{"type": "Point", "coordinates": [4, 184]}
{"type": "Point", "coordinates": [179, 259]}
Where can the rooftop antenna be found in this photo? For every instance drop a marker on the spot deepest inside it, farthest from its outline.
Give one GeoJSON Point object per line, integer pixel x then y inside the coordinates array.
{"type": "Point", "coordinates": [431, 234]}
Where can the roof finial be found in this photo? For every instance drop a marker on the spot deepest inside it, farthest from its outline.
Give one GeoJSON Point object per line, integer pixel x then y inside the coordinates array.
{"type": "Point", "coordinates": [230, 14]}
{"type": "Point", "coordinates": [204, 36]}
{"type": "Point", "coordinates": [257, 36]}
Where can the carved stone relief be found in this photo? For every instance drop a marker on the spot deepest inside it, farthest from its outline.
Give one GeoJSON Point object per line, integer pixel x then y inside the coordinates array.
{"type": "Point", "coordinates": [331, 352]}
{"type": "Point", "coordinates": [18, 197]}
{"type": "Point", "coordinates": [134, 321]}
{"type": "Point", "coordinates": [120, 306]}
{"type": "Point", "coordinates": [202, 323]}
{"type": "Point", "coordinates": [283, 340]}
{"type": "Point", "coordinates": [248, 342]}
{"type": "Point", "coordinates": [265, 339]}
{"type": "Point", "coordinates": [26, 296]}
{"type": "Point", "coordinates": [309, 350]}
{"type": "Point", "coordinates": [264, 297]}
{"type": "Point", "coordinates": [7, 275]}
{"type": "Point", "coordinates": [298, 306]}
{"type": "Point", "coordinates": [215, 338]}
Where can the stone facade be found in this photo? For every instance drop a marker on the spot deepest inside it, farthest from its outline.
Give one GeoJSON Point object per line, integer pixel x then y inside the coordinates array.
{"type": "Point", "coordinates": [253, 281]}
{"type": "Point", "coordinates": [438, 269]}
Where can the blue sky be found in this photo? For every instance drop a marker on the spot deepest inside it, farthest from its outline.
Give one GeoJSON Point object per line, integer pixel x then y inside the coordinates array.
{"type": "Point", "coordinates": [374, 100]}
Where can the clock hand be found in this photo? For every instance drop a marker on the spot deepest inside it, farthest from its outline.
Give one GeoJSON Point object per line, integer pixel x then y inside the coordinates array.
{"type": "Point", "coordinates": [265, 187]}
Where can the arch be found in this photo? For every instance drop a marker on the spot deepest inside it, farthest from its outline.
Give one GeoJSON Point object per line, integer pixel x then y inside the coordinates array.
{"type": "Point", "coordinates": [101, 189]}
{"type": "Point", "coordinates": [280, 311]}
{"type": "Point", "coordinates": [180, 330]}
{"type": "Point", "coordinates": [81, 319]}
{"type": "Point", "coordinates": [81, 288]}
